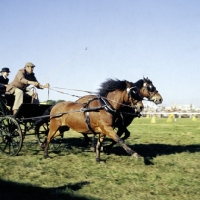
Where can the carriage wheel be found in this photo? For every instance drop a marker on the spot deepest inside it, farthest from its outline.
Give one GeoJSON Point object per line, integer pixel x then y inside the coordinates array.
{"type": "Point", "coordinates": [10, 136]}
{"type": "Point", "coordinates": [56, 142]}
{"type": "Point", "coordinates": [41, 133]}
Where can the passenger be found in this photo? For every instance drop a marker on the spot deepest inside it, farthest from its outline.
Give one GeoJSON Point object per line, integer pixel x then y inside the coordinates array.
{"type": "Point", "coordinates": [18, 86]}
{"type": "Point", "coordinates": [4, 79]}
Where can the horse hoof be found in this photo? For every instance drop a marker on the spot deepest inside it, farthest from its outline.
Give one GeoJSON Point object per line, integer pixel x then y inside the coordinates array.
{"type": "Point", "coordinates": [99, 160]}
{"type": "Point", "coordinates": [47, 157]}
{"type": "Point", "coordinates": [136, 155]}
{"type": "Point", "coordinates": [42, 145]}
{"type": "Point", "coordinates": [105, 150]}
{"type": "Point", "coordinates": [93, 149]}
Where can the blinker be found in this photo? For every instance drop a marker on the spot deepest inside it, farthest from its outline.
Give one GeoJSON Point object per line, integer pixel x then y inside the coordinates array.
{"type": "Point", "coordinates": [151, 88]}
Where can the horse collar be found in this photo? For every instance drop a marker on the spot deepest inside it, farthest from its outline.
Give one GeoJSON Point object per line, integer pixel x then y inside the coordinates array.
{"type": "Point", "coordinates": [107, 106]}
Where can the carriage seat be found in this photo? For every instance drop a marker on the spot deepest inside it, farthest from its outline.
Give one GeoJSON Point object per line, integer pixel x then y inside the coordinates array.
{"type": "Point", "coordinates": [8, 100]}
{"type": "Point", "coordinates": [6, 103]}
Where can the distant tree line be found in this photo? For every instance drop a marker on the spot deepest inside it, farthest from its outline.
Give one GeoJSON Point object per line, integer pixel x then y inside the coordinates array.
{"type": "Point", "coordinates": [52, 102]}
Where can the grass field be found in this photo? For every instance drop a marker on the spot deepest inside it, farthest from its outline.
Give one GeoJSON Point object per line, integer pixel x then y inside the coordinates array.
{"type": "Point", "coordinates": [169, 168]}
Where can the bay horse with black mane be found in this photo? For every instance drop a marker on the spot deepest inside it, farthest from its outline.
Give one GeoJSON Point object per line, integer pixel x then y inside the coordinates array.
{"type": "Point", "coordinates": [147, 90]}
{"type": "Point", "coordinates": [100, 111]}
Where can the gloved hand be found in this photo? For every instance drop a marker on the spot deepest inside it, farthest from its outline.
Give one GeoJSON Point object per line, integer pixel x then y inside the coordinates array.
{"type": "Point", "coordinates": [47, 85]}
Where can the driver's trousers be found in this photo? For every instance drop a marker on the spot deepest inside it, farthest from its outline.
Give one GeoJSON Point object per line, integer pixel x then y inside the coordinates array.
{"type": "Point", "coordinates": [19, 95]}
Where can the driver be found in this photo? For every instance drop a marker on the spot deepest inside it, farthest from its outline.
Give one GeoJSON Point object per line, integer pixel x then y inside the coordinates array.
{"type": "Point", "coordinates": [18, 87]}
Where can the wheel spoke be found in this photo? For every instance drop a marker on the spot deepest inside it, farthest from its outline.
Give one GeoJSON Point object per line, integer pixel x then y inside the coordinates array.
{"type": "Point", "coordinates": [10, 136]}
{"type": "Point", "coordinates": [41, 135]}
{"type": "Point", "coordinates": [6, 144]}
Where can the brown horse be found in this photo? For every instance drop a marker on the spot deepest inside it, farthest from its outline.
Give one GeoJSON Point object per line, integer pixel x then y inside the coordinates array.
{"type": "Point", "coordinates": [100, 112]}
{"type": "Point", "coordinates": [147, 90]}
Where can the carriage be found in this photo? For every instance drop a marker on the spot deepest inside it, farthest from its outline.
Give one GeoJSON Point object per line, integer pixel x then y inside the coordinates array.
{"type": "Point", "coordinates": [14, 128]}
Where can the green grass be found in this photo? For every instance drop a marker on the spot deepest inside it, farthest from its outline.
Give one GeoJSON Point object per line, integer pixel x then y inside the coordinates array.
{"type": "Point", "coordinates": [169, 168]}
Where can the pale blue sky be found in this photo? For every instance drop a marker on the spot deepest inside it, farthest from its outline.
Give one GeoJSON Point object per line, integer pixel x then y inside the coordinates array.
{"type": "Point", "coordinates": [126, 39]}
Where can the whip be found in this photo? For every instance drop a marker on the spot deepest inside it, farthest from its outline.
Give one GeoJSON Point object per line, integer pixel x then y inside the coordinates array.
{"type": "Point", "coordinates": [65, 63]}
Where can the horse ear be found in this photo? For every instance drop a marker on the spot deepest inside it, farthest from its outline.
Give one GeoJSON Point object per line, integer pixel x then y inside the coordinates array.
{"type": "Point", "coordinates": [145, 79]}
{"type": "Point", "coordinates": [128, 84]}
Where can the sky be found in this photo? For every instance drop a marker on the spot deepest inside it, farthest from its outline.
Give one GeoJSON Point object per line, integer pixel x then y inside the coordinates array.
{"type": "Point", "coordinates": [125, 40]}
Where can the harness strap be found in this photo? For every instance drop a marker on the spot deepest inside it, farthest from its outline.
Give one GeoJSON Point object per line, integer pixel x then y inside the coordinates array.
{"type": "Point", "coordinates": [104, 105]}
{"type": "Point", "coordinates": [107, 106]}
{"type": "Point", "coordinates": [87, 120]}
{"type": "Point", "coordinates": [87, 115]}
{"type": "Point", "coordinates": [117, 118]}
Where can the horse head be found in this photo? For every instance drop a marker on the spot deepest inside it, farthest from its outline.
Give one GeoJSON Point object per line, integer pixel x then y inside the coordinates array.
{"type": "Point", "coordinates": [121, 92]}
{"type": "Point", "coordinates": [148, 90]}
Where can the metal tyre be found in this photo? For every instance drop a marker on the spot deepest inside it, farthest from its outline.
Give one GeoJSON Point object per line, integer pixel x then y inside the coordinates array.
{"type": "Point", "coordinates": [10, 136]}
{"type": "Point", "coordinates": [41, 133]}
{"type": "Point", "coordinates": [56, 142]}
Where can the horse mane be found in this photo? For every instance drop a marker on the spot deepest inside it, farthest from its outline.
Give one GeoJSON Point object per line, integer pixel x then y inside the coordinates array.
{"type": "Point", "coordinates": [111, 85]}
{"type": "Point", "coordinates": [140, 82]}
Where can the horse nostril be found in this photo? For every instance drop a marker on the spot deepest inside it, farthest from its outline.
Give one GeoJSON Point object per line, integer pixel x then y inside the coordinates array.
{"type": "Point", "coordinates": [141, 107]}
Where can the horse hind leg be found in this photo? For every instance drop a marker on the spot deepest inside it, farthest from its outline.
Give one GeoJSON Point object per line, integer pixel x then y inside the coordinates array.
{"type": "Point", "coordinates": [92, 143]}
{"type": "Point", "coordinates": [50, 136]}
{"type": "Point", "coordinates": [46, 147]}
{"type": "Point", "coordinates": [98, 148]}
{"type": "Point", "coordinates": [89, 142]}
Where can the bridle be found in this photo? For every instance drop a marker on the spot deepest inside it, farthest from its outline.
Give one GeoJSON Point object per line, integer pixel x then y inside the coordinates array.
{"type": "Point", "coordinates": [151, 90]}
{"type": "Point", "coordinates": [133, 91]}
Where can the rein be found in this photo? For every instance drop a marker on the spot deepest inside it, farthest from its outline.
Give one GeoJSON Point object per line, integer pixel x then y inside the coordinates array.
{"type": "Point", "coordinates": [103, 101]}
{"type": "Point", "coordinates": [64, 93]}
{"type": "Point", "coordinates": [92, 93]}
{"type": "Point", "coordinates": [83, 110]}
{"type": "Point", "coordinates": [74, 90]}
{"type": "Point", "coordinates": [63, 113]}
{"type": "Point", "coordinates": [104, 104]}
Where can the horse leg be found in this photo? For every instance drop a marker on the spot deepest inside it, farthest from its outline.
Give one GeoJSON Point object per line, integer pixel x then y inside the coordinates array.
{"type": "Point", "coordinates": [98, 147]}
{"type": "Point", "coordinates": [88, 141]}
{"type": "Point", "coordinates": [126, 134]}
{"type": "Point", "coordinates": [119, 133]}
{"type": "Point", "coordinates": [46, 155]}
{"type": "Point", "coordinates": [52, 133]}
{"type": "Point", "coordinates": [121, 130]}
{"type": "Point", "coordinates": [109, 131]}
{"type": "Point", "coordinates": [127, 149]}
{"type": "Point", "coordinates": [92, 143]}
